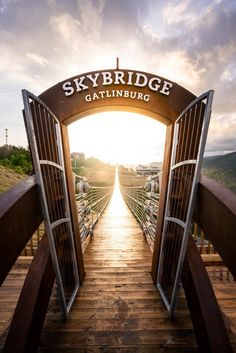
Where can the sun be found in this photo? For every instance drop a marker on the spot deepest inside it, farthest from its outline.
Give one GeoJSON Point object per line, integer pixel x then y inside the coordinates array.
{"type": "Point", "coordinates": [119, 138]}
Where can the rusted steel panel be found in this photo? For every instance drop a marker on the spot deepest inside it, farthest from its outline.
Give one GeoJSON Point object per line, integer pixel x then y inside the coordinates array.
{"type": "Point", "coordinates": [20, 216]}
{"type": "Point", "coordinates": [215, 212]}
{"type": "Point", "coordinates": [27, 323]}
{"type": "Point", "coordinates": [206, 316]}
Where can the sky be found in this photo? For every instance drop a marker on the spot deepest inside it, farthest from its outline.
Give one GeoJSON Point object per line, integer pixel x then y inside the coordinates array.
{"type": "Point", "coordinates": [192, 43]}
{"type": "Point", "coordinates": [123, 138]}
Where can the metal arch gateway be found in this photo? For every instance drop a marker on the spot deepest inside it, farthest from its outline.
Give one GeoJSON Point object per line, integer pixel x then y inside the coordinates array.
{"type": "Point", "coordinates": [107, 90]}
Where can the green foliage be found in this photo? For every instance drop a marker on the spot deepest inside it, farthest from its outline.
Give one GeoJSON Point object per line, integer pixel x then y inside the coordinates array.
{"type": "Point", "coordinates": [16, 158]}
{"type": "Point", "coordinates": [79, 162]}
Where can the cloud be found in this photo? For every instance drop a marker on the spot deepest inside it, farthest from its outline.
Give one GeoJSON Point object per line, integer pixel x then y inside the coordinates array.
{"type": "Point", "coordinates": [221, 136]}
{"type": "Point", "coordinates": [204, 32]}
{"type": "Point", "coordinates": [192, 43]}
{"type": "Point", "coordinates": [66, 27]}
{"type": "Point", "coordinates": [119, 21]}
{"type": "Point", "coordinates": [38, 59]}
{"type": "Point", "coordinates": [177, 13]}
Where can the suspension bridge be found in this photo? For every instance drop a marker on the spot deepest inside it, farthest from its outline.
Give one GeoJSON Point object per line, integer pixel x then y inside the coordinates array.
{"type": "Point", "coordinates": [118, 308]}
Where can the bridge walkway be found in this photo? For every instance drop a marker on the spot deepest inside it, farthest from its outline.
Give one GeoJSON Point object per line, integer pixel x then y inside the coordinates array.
{"type": "Point", "coordinates": [118, 309]}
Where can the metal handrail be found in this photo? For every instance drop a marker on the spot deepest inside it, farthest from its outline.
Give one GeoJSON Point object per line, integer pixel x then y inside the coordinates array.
{"type": "Point", "coordinates": [90, 206]}
{"type": "Point", "coordinates": [144, 206]}
{"type": "Point", "coordinates": [203, 243]}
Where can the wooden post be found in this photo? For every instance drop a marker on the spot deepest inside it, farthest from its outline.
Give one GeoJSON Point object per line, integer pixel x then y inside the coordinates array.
{"type": "Point", "coordinates": [71, 196]}
{"type": "Point", "coordinates": [27, 323]}
{"type": "Point", "coordinates": [210, 330]}
{"type": "Point", "coordinates": [20, 216]}
{"type": "Point", "coordinates": [161, 211]}
{"type": "Point", "coordinates": [215, 212]}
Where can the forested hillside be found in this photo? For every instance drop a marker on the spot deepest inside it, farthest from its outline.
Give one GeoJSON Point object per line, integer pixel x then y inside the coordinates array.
{"type": "Point", "coordinates": [16, 158]}
{"type": "Point", "coordinates": [221, 168]}
{"type": "Point", "coordinates": [15, 164]}
{"type": "Point", "coordinates": [97, 172]}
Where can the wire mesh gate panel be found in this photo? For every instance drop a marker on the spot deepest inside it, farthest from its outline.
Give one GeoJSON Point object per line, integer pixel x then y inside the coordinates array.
{"type": "Point", "coordinates": [188, 147]}
{"type": "Point", "coordinates": [44, 135]}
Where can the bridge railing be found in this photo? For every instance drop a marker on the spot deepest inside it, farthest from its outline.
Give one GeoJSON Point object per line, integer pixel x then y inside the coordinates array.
{"type": "Point", "coordinates": [203, 243]}
{"type": "Point", "coordinates": [21, 223]}
{"type": "Point", "coordinates": [20, 216]}
{"type": "Point", "coordinates": [90, 206]}
{"type": "Point", "coordinates": [144, 206]}
{"type": "Point", "coordinates": [215, 216]}
{"type": "Point", "coordinates": [32, 245]}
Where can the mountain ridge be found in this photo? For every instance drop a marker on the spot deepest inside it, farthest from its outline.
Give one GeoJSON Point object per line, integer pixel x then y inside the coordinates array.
{"type": "Point", "coordinates": [221, 161]}
{"type": "Point", "coordinates": [221, 168]}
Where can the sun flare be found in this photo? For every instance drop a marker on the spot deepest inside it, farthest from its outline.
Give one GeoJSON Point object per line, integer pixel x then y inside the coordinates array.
{"type": "Point", "coordinates": [119, 137]}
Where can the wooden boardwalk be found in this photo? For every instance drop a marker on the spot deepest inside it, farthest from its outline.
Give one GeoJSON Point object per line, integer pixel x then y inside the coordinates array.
{"type": "Point", "coordinates": [9, 293]}
{"type": "Point", "coordinates": [118, 308]}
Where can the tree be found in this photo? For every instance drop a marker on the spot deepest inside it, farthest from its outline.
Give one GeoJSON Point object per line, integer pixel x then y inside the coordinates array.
{"type": "Point", "coordinates": [17, 158]}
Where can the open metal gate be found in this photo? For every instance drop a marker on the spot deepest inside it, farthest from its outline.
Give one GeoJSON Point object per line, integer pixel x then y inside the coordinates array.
{"type": "Point", "coordinates": [44, 136]}
{"type": "Point", "coordinates": [190, 134]}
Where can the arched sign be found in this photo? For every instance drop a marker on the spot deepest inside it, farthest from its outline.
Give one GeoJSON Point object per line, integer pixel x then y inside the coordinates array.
{"type": "Point", "coordinates": [127, 90]}
{"type": "Point", "coordinates": [107, 90]}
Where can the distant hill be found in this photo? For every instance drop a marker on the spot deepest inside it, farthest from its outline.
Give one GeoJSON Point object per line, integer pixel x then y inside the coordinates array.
{"type": "Point", "coordinates": [97, 172]}
{"type": "Point", "coordinates": [221, 168]}
{"type": "Point", "coordinates": [129, 177]}
{"type": "Point", "coordinates": [156, 164]}
{"type": "Point", "coordinates": [227, 161]}
{"type": "Point", "coordinates": [9, 178]}
{"type": "Point", "coordinates": [100, 176]}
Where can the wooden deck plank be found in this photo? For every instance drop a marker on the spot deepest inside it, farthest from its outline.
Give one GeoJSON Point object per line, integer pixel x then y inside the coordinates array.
{"type": "Point", "coordinates": [224, 287]}
{"type": "Point", "coordinates": [10, 291]}
{"type": "Point", "coordinates": [124, 349]}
